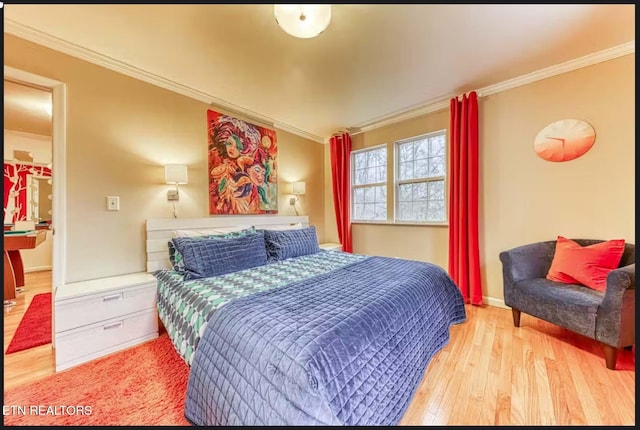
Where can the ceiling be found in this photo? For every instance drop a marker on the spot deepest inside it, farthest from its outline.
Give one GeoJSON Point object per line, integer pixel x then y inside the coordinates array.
{"type": "Point", "coordinates": [372, 61]}
{"type": "Point", "coordinates": [27, 109]}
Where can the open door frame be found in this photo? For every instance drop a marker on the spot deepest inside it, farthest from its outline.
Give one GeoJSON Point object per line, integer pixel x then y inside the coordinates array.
{"type": "Point", "coordinates": [58, 172]}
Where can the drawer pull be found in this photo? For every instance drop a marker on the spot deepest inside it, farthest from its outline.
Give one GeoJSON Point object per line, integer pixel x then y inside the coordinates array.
{"type": "Point", "coordinates": [112, 297]}
{"type": "Point", "coordinates": [112, 325]}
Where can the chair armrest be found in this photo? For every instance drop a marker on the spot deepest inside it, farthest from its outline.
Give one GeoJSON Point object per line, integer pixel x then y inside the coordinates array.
{"type": "Point", "coordinates": [615, 322]}
{"type": "Point", "coordinates": [528, 261]}
{"type": "Point", "coordinates": [525, 262]}
{"type": "Point", "coordinates": [618, 282]}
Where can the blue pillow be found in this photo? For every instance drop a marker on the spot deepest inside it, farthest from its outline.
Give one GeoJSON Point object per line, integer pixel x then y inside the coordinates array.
{"type": "Point", "coordinates": [283, 244]}
{"type": "Point", "coordinates": [203, 257]}
{"type": "Point", "coordinates": [175, 257]}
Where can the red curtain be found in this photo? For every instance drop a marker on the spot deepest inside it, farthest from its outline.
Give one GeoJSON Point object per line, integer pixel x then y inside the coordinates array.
{"type": "Point", "coordinates": [340, 146]}
{"type": "Point", "coordinates": [464, 254]}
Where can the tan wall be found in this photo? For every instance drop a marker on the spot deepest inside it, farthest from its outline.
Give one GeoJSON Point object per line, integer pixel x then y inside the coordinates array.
{"type": "Point", "coordinates": [523, 198]}
{"type": "Point", "coordinates": [38, 258]}
{"type": "Point", "coordinates": [331, 228]}
{"type": "Point", "coordinates": [527, 199]}
{"type": "Point", "coordinates": [120, 133]}
{"type": "Point", "coordinates": [415, 242]}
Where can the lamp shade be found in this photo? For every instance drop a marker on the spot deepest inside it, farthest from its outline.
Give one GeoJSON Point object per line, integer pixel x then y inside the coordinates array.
{"type": "Point", "coordinates": [175, 173]}
{"type": "Point", "coordinates": [298, 187]}
{"type": "Point", "coordinates": [303, 20]}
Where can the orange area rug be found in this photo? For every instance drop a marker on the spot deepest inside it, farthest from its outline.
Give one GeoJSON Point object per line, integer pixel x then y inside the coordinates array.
{"type": "Point", "coordinates": [144, 385]}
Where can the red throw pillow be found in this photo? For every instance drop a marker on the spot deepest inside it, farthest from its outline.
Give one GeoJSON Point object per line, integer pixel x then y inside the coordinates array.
{"type": "Point", "coordinates": [586, 265]}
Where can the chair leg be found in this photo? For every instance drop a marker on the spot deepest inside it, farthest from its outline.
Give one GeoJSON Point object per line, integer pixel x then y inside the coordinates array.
{"type": "Point", "coordinates": [516, 317]}
{"type": "Point", "coordinates": [610, 356]}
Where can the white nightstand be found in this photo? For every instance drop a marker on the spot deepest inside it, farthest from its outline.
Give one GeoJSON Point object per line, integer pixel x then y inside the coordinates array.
{"type": "Point", "coordinates": [100, 316]}
{"type": "Point", "coordinates": [331, 246]}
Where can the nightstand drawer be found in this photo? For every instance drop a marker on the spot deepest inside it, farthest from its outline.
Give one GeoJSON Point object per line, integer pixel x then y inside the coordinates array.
{"type": "Point", "coordinates": [83, 344]}
{"type": "Point", "coordinates": [81, 311]}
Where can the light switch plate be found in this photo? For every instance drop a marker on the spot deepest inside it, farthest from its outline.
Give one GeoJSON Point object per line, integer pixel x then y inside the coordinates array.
{"type": "Point", "coordinates": [113, 203]}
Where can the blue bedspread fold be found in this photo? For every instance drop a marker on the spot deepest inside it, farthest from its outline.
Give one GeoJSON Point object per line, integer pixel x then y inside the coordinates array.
{"type": "Point", "coordinates": [348, 347]}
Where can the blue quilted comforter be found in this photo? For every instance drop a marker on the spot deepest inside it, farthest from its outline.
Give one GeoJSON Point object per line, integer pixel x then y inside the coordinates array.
{"type": "Point", "coordinates": [348, 347]}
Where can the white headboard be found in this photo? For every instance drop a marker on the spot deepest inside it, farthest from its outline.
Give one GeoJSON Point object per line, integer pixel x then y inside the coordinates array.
{"type": "Point", "coordinates": [160, 231]}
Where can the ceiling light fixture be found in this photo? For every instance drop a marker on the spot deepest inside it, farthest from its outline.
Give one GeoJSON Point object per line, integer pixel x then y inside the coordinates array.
{"type": "Point", "coordinates": [303, 20]}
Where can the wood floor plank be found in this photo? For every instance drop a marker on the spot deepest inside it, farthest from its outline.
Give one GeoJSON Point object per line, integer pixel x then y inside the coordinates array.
{"type": "Point", "coordinates": [490, 372]}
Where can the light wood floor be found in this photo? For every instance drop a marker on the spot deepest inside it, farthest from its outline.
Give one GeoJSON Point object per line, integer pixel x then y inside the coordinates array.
{"type": "Point", "coordinates": [34, 363]}
{"type": "Point", "coordinates": [490, 373]}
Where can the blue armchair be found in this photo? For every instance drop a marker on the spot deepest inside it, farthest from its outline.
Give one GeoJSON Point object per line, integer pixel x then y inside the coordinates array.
{"type": "Point", "coordinates": [608, 317]}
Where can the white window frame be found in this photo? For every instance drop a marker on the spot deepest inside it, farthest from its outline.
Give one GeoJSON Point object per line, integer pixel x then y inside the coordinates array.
{"type": "Point", "coordinates": [397, 182]}
{"type": "Point", "coordinates": [353, 186]}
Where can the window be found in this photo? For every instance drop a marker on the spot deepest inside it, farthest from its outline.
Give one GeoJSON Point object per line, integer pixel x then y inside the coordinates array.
{"type": "Point", "coordinates": [369, 184]}
{"type": "Point", "coordinates": [421, 166]}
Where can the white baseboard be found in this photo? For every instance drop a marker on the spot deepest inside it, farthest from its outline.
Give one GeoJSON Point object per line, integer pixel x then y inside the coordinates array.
{"type": "Point", "coordinates": [36, 269]}
{"type": "Point", "coordinates": [499, 303]}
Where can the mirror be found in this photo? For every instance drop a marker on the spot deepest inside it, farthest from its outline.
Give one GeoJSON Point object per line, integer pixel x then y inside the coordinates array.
{"type": "Point", "coordinates": [27, 153]}
{"type": "Point", "coordinates": [39, 199]}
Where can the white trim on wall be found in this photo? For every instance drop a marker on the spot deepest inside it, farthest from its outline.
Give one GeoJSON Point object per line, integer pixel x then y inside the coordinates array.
{"type": "Point", "coordinates": [36, 36]}
{"type": "Point", "coordinates": [498, 303]}
{"type": "Point", "coordinates": [58, 172]}
{"type": "Point", "coordinates": [440, 103]}
{"type": "Point", "coordinates": [17, 133]}
{"type": "Point", "coordinates": [41, 38]}
{"type": "Point", "coordinates": [36, 269]}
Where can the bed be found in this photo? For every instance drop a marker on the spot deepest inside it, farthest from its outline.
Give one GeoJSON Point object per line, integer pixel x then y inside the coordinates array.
{"type": "Point", "coordinates": [326, 338]}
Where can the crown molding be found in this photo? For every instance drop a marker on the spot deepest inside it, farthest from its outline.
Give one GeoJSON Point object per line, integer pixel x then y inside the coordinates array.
{"type": "Point", "coordinates": [41, 38]}
{"type": "Point", "coordinates": [548, 72]}
{"type": "Point", "coordinates": [402, 115]}
{"type": "Point", "coordinates": [36, 36]}
{"type": "Point", "coordinates": [24, 134]}
{"type": "Point", "coordinates": [558, 69]}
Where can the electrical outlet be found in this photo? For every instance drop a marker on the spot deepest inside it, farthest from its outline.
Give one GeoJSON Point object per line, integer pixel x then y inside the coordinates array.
{"type": "Point", "coordinates": [113, 203]}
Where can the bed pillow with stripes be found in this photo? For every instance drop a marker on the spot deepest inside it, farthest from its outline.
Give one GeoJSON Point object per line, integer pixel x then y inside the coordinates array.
{"type": "Point", "coordinates": [175, 257]}
{"type": "Point", "coordinates": [283, 244]}
{"type": "Point", "coordinates": [204, 258]}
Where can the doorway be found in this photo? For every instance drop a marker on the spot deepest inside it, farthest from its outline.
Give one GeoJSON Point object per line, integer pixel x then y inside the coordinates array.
{"type": "Point", "coordinates": [34, 198]}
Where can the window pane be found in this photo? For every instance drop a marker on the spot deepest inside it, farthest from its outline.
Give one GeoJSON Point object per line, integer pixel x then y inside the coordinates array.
{"type": "Point", "coordinates": [382, 157]}
{"type": "Point", "coordinates": [436, 210]}
{"type": "Point", "coordinates": [361, 177]}
{"type": "Point", "coordinates": [372, 159]}
{"type": "Point", "coordinates": [405, 192]}
{"type": "Point", "coordinates": [380, 210]}
{"type": "Point", "coordinates": [420, 211]}
{"type": "Point", "coordinates": [358, 211]}
{"type": "Point", "coordinates": [422, 149]}
{"type": "Point", "coordinates": [437, 166]}
{"type": "Point", "coordinates": [421, 168]}
{"type": "Point", "coordinates": [406, 171]}
{"type": "Point", "coordinates": [369, 195]}
{"type": "Point", "coordinates": [418, 160]}
{"type": "Point", "coordinates": [437, 146]}
{"type": "Point", "coordinates": [420, 191]}
{"type": "Point", "coordinates": [436, 190]}
{"type": "Point", "coordinates": [372, 177]}
{"type": "Point", "coordinates": [370, 202]}
{"type": "Point", "coordinates": [406, 152]}
{"type": "Point", "coordinates": [368, 211]}
{"type": "Point", "coordinates": [404, 211]}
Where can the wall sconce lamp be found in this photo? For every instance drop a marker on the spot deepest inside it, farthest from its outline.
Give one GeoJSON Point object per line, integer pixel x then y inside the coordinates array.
{"type": "Point", "coordinates": [175, 174]}
{"type": "Point", "coordinates": [297, 189]}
